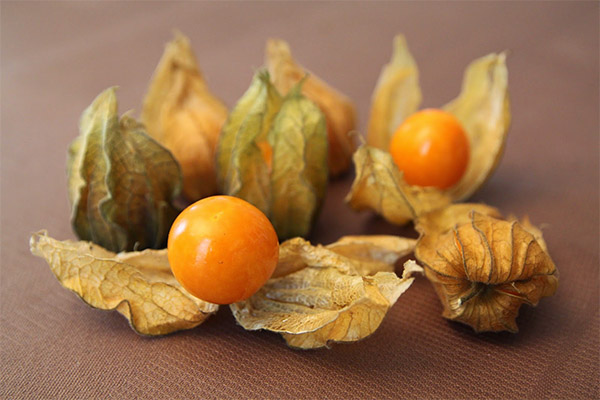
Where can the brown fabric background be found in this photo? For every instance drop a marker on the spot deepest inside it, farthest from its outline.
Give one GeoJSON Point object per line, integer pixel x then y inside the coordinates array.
{"type": "Point", "coordinates": [57, 56]}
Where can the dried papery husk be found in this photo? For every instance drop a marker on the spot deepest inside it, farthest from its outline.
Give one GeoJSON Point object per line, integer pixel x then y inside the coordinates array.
{"type": "Point", "coordinates": [338, 109]}
{"type": "Point", "coordinates": [121, 182]}
{"type": "Point", "coordinates": [484, 268]}
{"type": "Point", "coordinates": [139, 285]}
{"type": "Point", "coordinates": [396, 96]}
{"type": "Point", "coordinates": [319, 295]}
{"type": "Point", "coordinates": [183, 114]}
{"type": "Point", "coordinates": [273, 153]}
{"type": "Point", "coordinates": [366, 254]}
{"type": "Point", "coordinates": [482, 108]}
{"type": "Point", "coordinates": [379, 186]}
{"type": "Point", "coordinates": [373, 253]}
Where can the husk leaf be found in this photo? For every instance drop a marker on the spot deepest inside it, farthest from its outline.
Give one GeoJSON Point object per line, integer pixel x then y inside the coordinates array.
{"type": "Point", "coordinates": [272, 153]}
{"type": "Point", "coordinates": [482, 267]}
{"type": "Point", "coordinates": [242, 170]}
{"type": "Point", "coordinates": [379, 186]}
{"type": "Point", "coordinates": [373, 253]}
{"type": "Point", "coordinates": [318, 296]}
{"type": "Point", "coordinates": [396, 96]}
{"type": "Point", "coordinates": [299, 175]}
{"type": "Point", "coordinates": [139, 285]}
{"type": "Point", "coordinates": [338, 109]}
{"type": "Point", "coordinates": [121, 183]}
{"type": "Point", "coordinates": [365, 254]}
{"type": "Point", "coordinates": [483, 108]}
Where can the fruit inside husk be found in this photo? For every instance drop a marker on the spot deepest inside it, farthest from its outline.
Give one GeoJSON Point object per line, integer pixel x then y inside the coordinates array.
{"type": "Point", "coordinates": [483, 110]}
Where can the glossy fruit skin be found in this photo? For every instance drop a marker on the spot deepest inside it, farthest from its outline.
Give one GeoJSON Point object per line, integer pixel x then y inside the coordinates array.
{"type": "Point", "coordinates": [222, 249]}
{"type": "Point", "coordinates": [431, 148]}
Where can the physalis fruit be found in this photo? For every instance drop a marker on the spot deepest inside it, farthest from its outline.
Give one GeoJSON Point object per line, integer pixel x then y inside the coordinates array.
{"type": "Point", "coordinates": [431, 148]}
{"type": "Point", "coordinates": [222, 249]}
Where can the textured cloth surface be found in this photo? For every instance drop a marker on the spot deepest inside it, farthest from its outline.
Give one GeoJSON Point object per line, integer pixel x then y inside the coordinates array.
{"type": "Point", "coordinates": [57, 56]}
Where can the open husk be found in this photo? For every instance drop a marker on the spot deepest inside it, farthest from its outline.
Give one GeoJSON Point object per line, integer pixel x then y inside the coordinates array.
{"type": "Point", "coordinates": [324, 294]}
{"type": "Point", "coordinates": [482, 108]}
{"type": "Point", "coordinates": [317, 295]}
{"type": "Point", "coordinates": [139, 285]}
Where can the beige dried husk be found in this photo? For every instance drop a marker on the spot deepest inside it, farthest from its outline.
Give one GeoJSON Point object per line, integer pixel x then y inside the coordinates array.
{"type": "Point", "coordinates": [482, 108]}
{"type": "Point", "coordinates": [324, 294]}
{"type": "Point", "coordinates": [317, 295]}
{"type": "Point", "coordinates": [338, 109]}
{"type": "Point", "coordinates": [482, 267]}
{"type": "Point", "coordinates": [139, 285]}
{"type": "Point", "coordinates": [379, 186]}
{"type": "Point", "coordinates": [182, 113]}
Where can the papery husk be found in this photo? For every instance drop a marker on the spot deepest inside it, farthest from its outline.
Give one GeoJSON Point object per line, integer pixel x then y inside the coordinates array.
{"type": "Point", "coordinates": [482, 267]}
{"type": "Point", "coordinates": [325, 294]}
{"type": "Point", "coordinates": [379, 186]}
{"type": "Point", "coordinates": [338, 109]}
{"type": "Point", "coordinates": [396, 96]}
{"type": "Point", "coordinates": [482, 108]}
{"type": "Point", "coordinates": [273, 153]}
{"type": "Point", "coordinates": [183, 114]}
{"type": "Point", "coordinates": [139, 285]}
{"type": "Point", "coordinates": [121, 182]}
{"type": "Point", "coordinates": [373, 253]}
{"type": "Point", "coordinates": [366, 254]}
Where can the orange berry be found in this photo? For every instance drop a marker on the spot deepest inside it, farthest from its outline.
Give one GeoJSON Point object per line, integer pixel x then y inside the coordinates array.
{"type": "Point", "coordinates": [431, 148]}
{"type": "Point", "coordinates": [222, 249]}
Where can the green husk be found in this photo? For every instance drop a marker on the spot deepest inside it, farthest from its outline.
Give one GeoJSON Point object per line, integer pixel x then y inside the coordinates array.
{"type": "Point", "coordinates": [273, 153]}
{"type": "Point", "coordinates": [121, 182]}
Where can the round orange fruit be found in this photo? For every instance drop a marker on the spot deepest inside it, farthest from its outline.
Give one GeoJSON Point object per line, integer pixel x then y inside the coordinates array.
{"type": "Point", "coordinates": [222, 249]}
{"type": "Point", "coordinates": [431, 148]}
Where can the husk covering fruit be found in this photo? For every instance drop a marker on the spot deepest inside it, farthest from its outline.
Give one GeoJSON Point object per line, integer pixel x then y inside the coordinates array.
{"type": "Point", "coordinates": [121, 182]}
{"type": "Point", "coordinates": [484, 267]}
{"type": "Point", "coordinates": [182, 114]}
{"type": "Point", "coordinates": [273, 153]}
{"type": "Point", "coordinates": [338, 109]}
